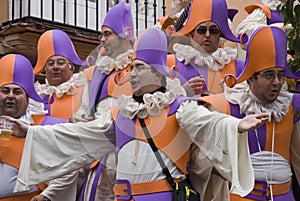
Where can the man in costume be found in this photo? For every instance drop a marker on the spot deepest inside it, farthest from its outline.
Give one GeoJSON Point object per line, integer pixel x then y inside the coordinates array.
{"type": "Point", "coordinates": [105, 83]}
{"type": "Point", "coordinates": [261, 88]}
{"type": "Point", "coordinates": [18, 99]}
{"type": "Point", "coordinates": [203, 64]}
{"type": "Point", "coordinates": [62, 89]}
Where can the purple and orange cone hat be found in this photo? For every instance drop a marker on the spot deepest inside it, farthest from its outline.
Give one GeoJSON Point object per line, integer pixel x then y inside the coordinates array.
{"type": "Point", "coordinates": [119, 19]}
{"type": "Point", "coordinates": [151, 47]}
{"type": "Point", "coordinates": [17, 69]}
{"type": "Point", "coordinates": [55, 42]}
{"type": "Point", "coordinates": [267, 48]}
{"type": "Point", "coordinates": [211, 10]}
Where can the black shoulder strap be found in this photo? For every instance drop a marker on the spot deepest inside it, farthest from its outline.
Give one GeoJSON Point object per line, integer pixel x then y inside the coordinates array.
{"type": "Point", "coordinates": [157, 155]}
{"type": "Point", "coordinates": [94, 108]}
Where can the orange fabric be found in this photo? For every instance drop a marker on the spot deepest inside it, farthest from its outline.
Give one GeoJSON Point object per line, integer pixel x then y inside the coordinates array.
{"type": "Point", "coordinates": [218, 101]}
{"type": "Point", "coordinates": [249, 9]}
{"type": "Point", "coordinates": [197, 17]}
{"type": "Point", "coordinates": [143, 188]}
{"type": "Point", "coordinates": [94, 164]}
{"type": "Point", "coordinates": [164, 132]}
{"type": "Point", "coordinates": [26, 197]}
{"type": "Point", "coordinates": [11, 151]}
{"type": "Point", "coordinates": [88, 72]}
{"type": "Point", "coordinates": [45, 50]}
{"type": "Point", "coordinates": [256, 61]}
{"type": "Point", "coordinates": [116, 90]}
{"type": "Point", "coordinates": [66, 105]}
{"type": "Point", "coordinates": [283, 132]}
{"type": "Point", "coordinates": [215, 78]}
{"type": "Point", "coordinates": [278, 189]}
{"type": "Point", "coordinates": [7, 73]}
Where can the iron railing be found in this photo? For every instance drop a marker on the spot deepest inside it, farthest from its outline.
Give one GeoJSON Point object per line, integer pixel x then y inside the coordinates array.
{"type": "Point", "coordinates": [87, 14]}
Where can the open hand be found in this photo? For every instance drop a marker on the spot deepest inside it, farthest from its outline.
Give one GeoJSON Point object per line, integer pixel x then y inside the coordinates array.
{"type": "Point", "coordinates": [251, 122]}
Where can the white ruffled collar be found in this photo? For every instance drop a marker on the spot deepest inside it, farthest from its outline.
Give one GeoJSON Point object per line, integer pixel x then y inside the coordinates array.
{"type": "Point", "coordinates": [215, 61]}
{"type": "Point", "coordinates": [153, 103]}
{"type": "Point", "coordinates": [272, 4]}
{"type": "Point", "coordinates": [69, 87]}
{"type": "Point", "coordinates": [33, 108]}
{"type": "Point", "coordinates": [106, 64]}
{"type": "Point", "coordinates": [240, 94]}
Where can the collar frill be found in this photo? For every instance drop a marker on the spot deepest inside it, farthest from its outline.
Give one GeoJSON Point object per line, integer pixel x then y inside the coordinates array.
{"type": "Point", "coordinates": [153, 103]}
{"type": "Point", "coordinates": [240, 94]}
{"type": "Point", "coordinates": [34, 108]}
{"type": "Point", "coordinates": [272, 4]}
{"type": "Point", "coordinates": [216, 61]}
{"type": "Point", "coordinates": [69, 87]}
{"type": "Point", "coordinates": [106, 64]}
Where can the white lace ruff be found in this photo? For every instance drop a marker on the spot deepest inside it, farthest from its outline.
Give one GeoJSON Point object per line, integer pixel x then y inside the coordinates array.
{"type": "Point", "coordinates": [106, 64]}
{"type": "Point", "coordinates": [216, 61]}
{"type": "Point", "coordinates": [253, 21]}
{"type": "Point", "coordinates": [272, 4]}
{"type": "Point", "coordinates": [34, 108]}
{"type": "Point", "coordinates": [69, 87]}
{"type": "Point", "coordinates": [153, 103]}
{"type": "Point", "coordinates": [240, 94]}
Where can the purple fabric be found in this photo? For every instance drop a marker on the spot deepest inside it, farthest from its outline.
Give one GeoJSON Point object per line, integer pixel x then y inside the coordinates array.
{"type": "Point", "coordinates": [94, 87]}
{"type": "Point", "coordinates": [164, 196]}
{"type": "Point", "coordinates": [296, 105]}
{"type": "Point", "coordinates": [151, 48]}
{"type": "Point", "coordinates": [220, 17]}
{"type": "Point", "coordinates": [252, 140]}
{"type": "Point", "coordinates": [96, 179]}
{"type": "Point", "coordinates": [280, 46]}
{"type": "Point", "coordinates": [276, 17]}
{"type": "Point", "coordinates": [119, 18]}
{"type": "Point", "coordinates": [231, 13]}
{"type": "Point", "coordinates": [23, 76]}
{"type": "Point", "coordinates": [63, 46]}
{"type": "Point", "coordinates": [49, 120]}
{"type": "Point", "coordinates": [284, 197]}
{"type": "Point", "coordinates": [125, 130]}
{"type": "Point", "coordinates": [186, 72]}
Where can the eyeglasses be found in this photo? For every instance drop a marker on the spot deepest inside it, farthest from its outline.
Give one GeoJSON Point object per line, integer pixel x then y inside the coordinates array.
{"type": "Point", "coordinates": [105, 34]}
{"type": "Point", "coordinates": [59, 62]}
{"type": "Point", "coordinates": [270, 76]}
{"type": "Point", "coordinates": [139, 67]}
{"type": "Point", "coordinates": [212, 30]}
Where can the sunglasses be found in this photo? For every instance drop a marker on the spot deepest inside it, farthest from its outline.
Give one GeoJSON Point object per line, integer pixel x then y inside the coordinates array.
{"type": "Point", "coordinates": [212, 30]}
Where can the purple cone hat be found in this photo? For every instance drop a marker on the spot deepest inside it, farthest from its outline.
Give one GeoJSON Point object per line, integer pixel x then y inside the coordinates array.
{"type": "Point", "coordinates": [267, 48]}
{"type": "Point", "coordinates": [151, 47]}
{"type": "Point", "coordinates": [119, 19]}
{"type": "Point", "coordinates": [55, 42]}
{"type": "Point", "coordinates": [211, 10]}
{"type": "Point", "coordinates": [17, 69]}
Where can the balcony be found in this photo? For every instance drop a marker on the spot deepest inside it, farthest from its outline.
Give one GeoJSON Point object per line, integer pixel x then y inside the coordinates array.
{"type": "Point", "coordinates": [23, 21]}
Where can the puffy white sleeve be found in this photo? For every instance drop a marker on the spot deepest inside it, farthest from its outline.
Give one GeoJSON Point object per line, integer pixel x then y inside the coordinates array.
{"type": "Point", "coordinates": [218, 142]}
{"type": "Point", "coordinates": [53, 151]}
